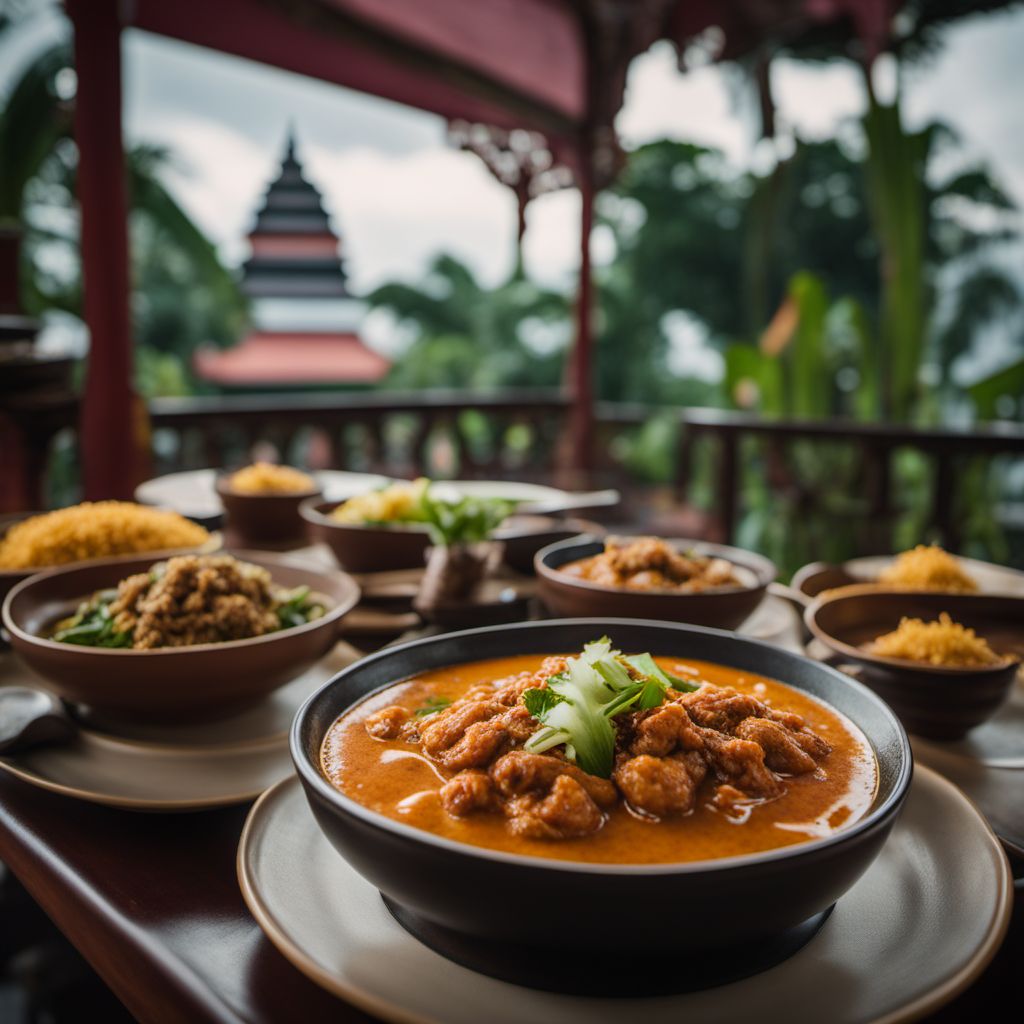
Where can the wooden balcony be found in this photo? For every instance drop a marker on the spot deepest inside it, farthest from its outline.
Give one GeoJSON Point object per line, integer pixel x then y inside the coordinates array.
{"type": "Point", "coordinates": [845, 470]}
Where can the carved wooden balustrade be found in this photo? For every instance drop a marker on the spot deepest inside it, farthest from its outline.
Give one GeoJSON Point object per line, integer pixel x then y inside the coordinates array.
{"type": "Point", "coordinates": [437, 433]}
{"type": "Point", "coordinates": [843, 468]}
{"type": "Point", "coordinates": [744, 444]}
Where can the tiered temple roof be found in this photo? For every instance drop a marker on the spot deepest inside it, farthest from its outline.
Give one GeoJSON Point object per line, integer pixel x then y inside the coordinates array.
{"type": "Point", "coordinates": [305, 321]}
{"type": "Point", "coordinates": [294, 249]}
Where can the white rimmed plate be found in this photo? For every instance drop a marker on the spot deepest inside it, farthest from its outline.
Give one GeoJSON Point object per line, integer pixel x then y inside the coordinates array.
{"type": "Point", "coordinates": [913, 932]}
{"type": "Point", "coordinates": [152, 767]}
{"type": "Point", "coordinates": [990, 577]}
{"type": "Point", "coordinates": [192, 492]}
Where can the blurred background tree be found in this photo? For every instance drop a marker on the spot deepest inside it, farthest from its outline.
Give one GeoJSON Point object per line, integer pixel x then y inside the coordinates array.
{"type": "Point", "coordinates": [171, 257]}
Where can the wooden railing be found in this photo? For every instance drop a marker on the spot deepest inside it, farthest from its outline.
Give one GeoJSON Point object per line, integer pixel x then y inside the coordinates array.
{"type": "Point", "coordinates": [869, 483]}
{"type": "Point", "coordinates": [521, 435]}
{"type": "Point", "coordinates": [436, 433]}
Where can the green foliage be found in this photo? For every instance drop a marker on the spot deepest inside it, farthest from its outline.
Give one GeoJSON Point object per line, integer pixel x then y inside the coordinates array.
{"type": "Point", "coordinates": [469, 336]}
{"type": "Point", "coordinates": [171, 258]}
{"type": "Point", "coordinates": [895, 169]}
{"type": "Point", "coordinates": [31, 121]}
{"type": "Point", "coordinates": [1004, 386]}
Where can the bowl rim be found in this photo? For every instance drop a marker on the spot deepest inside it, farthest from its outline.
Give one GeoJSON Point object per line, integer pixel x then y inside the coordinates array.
{"type": "Point", "coordinates": [876, 817]}
{"type": "Point", "coordinates": [334, 614]}
{"type": "Point", "coordinates": [308, 510]}
{"type": "Point", "coordinates": [763, 569]}
{"type": "Point", "coordinates": [880, 661]}
{"type": "Point", "coordinates": [811, 569]}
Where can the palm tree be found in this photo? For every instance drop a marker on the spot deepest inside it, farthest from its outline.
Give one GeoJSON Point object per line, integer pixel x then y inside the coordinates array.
{"type": "Point", "coordinates": [171, 257]}
{"type": "Point", "coordinates": [467, 335]}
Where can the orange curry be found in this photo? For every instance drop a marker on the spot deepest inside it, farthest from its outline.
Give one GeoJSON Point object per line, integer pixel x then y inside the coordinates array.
{"type": "Point", "coordinates": [741, 764]}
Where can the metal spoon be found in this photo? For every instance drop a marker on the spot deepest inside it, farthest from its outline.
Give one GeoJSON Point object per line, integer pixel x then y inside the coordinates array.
{"type": "Point", "coordinates": [30, 718]}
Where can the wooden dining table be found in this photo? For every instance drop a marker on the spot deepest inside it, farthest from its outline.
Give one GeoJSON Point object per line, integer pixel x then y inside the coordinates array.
{"type": "Point", "coordinates": [152, 902]}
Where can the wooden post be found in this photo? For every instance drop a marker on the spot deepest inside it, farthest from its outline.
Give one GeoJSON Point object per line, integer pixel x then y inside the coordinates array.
{"type": "Point", "coordinates": [581, 383]}
{"type": "Point", "coordinates": [727, 485]}
{"type": "Point", "coordinates": [111, 422]}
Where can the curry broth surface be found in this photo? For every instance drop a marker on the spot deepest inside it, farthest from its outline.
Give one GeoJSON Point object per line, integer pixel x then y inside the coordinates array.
{"type": "Point", "coordinates": [393, 778]}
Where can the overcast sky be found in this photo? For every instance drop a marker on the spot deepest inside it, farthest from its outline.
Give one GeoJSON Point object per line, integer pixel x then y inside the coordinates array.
{"type": "Point", "coordinates": [399, 195]}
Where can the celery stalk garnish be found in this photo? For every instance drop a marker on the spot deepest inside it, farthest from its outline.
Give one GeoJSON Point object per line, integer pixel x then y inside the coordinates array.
{"type": "Point", "coordinates": [577, 706]}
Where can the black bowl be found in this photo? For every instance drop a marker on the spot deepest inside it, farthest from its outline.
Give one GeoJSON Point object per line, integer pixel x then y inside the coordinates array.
{"type": "Point", "coordinates": [688, 908]}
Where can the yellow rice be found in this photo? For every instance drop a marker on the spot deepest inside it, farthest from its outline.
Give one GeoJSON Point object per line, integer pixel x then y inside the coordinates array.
{"type": "Point", "coordinates": [95, 530]}
{"type": "Point", "coordinates": [940, 642]}
{"type": "Point", "coordinates": [398, 503]}
{"type": "Point", "coordinates": [927, 568]}
{"type": "Point", "coordinates": [267, 478]}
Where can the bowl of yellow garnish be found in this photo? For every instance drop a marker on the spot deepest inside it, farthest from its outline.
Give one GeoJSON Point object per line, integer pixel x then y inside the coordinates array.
{"type": "Point", "coordinates": [261, 503]}
{"type": "Point", "coordinates": [944, 662]}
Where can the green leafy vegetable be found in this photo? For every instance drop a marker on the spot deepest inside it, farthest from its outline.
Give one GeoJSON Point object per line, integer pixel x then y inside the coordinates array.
{"type": "Point", "coordinates": [658, 680]}
{"type": "Point", "coordinates": [298, 608]}
{"type": "Point", "coordinates": [93, 625]}
{"type": "Point", "coordinates": [578, 704]}
{"type": "Point", "coordinates": [432, 706]}
{"type": "Point", "coordinates": [466, 521]}
{"type": "Point", "coordinates": [540, 701]}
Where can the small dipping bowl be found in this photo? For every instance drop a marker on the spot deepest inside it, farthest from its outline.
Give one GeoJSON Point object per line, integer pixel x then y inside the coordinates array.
{"type": "Point", "coordinates": [935, 701]}
{"type": "Point", "coordinates": [263, 518]}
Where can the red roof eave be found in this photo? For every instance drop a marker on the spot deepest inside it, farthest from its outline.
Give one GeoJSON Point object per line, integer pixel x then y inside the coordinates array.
{"type": "Point", "coordinates": [433, 60]}
{"type": "Point", "coordinates": [292, 359]}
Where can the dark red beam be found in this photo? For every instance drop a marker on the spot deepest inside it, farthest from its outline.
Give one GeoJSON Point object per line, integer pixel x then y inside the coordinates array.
{"type": "Point", "coordinates": [111, 416]}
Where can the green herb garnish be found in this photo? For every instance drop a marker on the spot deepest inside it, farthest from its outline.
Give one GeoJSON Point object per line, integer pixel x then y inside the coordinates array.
{"type": "Point", "coordinates": [577, 706]}
{"type": "Point", "coordinates": [298, 608]}
{"type": "Point", "coordinates": [432, 706]}
{"type": "Point", "coordinates": [466, 521]}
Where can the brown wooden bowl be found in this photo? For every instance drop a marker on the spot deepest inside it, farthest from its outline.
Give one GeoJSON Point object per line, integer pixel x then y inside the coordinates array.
{"type": "Point", "coordinates": [565, 595]}
{"type": "Point", "coordinates": [263, 518]}
{"type": "Point", "coordinates": [941, 703]}
{"type": "Point", "coordinates": [173, 683]}
{"type": "Point", "coordinates": [365, 548]}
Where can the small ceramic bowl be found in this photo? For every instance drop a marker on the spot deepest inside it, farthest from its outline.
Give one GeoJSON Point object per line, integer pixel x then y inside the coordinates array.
{"type": "Point", "coordinates": [382, 548]}
{"type": "Point", "coordinates": [725, 608]}
{"type": "Point", "coordinates": [440, 882]}
{"type": "Point", "coordinates": [263, 518]}
{"type": "Point", "coordinates": [358, 548]}
{"type": "Point", "coordinates": [170, 683]}
{"type": "Point", "coordinates": [933, 701]}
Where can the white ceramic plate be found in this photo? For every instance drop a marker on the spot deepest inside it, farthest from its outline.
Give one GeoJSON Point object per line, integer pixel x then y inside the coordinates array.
{"type": "Point", "coordinates": [531, 497]}
{"type": "Point", "coordinates": [172, 768]}
{"type": "Point", "coordinates": [991, 578]}
{"type": "Point", "coordinates": [919, 926]}
{"type": "Point", "coordinates": [776, 621]}
{"type": "Point", "coordinates": [192, 493]}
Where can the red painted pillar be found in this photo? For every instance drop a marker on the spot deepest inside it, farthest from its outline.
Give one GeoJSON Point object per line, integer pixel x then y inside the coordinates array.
{"type": "Point", "coordinates": [581, 380]}
{"type": "Point", "coordinates": [110, 421]}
